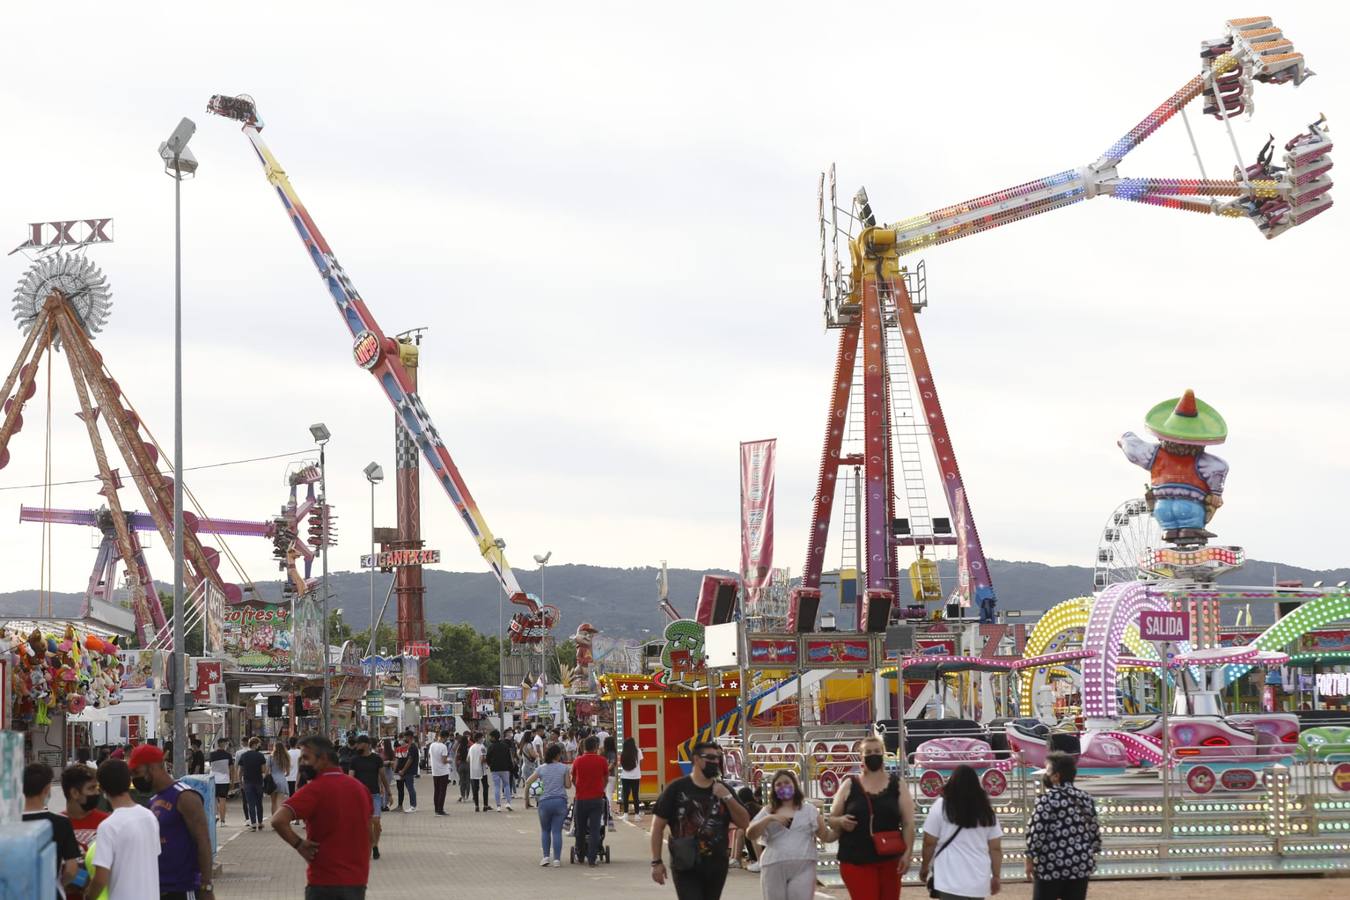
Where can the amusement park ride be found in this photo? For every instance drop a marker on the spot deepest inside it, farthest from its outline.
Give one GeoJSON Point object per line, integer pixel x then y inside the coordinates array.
{"type": "Point", "coordinates": [384, 358]}
{"type": "Point", "coordinates": [874, 300]}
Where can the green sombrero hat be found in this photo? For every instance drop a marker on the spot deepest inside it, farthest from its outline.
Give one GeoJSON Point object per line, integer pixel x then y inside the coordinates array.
{"type": "Point", "coordinates": [1187, 420]}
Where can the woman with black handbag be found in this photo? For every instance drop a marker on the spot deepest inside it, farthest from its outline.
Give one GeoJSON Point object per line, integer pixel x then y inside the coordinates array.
{"type": "Point", "coordinates": [874, 816]}
{"type": "Point", "coordinates": [962, 841]}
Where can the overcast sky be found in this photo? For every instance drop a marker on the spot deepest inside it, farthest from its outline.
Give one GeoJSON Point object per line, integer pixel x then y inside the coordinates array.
{"type": "Point", "coordinates": [605, 215]}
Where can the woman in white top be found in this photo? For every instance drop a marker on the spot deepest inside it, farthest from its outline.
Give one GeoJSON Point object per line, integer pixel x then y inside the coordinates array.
{"type": "Point", "coordinates": [962, 840]}
{"type": "Point", "coordinates": [788, 828]}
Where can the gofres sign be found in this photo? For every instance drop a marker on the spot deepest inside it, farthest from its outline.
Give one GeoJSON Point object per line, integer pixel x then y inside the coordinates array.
{"type": "Point", "coordinates": [392, 559]}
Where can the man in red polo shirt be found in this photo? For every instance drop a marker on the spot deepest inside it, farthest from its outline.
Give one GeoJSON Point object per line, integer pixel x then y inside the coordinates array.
{"type": "Point", "coordinates": [336, 809]}
{"type": "Point", "coordinates": [590, 773]}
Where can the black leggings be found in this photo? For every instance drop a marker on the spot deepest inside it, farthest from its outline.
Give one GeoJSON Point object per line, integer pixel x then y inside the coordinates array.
{"type": "Point", "coordinates": [629, 788]}
{"type": "Point", "coordinates": [464, 782]}
{"type": "Point", "coordinates": [1059, 889]}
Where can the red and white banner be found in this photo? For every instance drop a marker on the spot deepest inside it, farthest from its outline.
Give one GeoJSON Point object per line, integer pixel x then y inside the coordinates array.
{"type": "Point", "coordinates": [757, 475]}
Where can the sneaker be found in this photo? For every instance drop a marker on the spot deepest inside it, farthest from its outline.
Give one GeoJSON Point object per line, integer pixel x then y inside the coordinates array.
{"type": "Point", "coordinates": [499, 807]}
{"type": "Point", "coordinates": [612, 826]}
{"type": "Point", "coordinates": [592, 864]}
{"type": "Point", "coordinates": [442, 814]}
{"type": "Point", "coordinates": [411, 809]}
{"type": "Point", "coordinates": [375, 852]}
{"type": "Point", "coordinates": [508, 808]}
{"type": "Point", "coordinates": [556, 864]}
{"type": "Point", "coordinates": [543, 862]}
{"type": "Point", "coordinates": [753, 867]}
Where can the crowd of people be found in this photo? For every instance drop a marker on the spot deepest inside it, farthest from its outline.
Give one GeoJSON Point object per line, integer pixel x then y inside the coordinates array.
{"type": "Point", "coordinates": [131, 829]}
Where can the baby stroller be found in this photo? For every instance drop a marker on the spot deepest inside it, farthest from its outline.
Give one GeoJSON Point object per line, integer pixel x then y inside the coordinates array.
{"type": "Point", "coordinates": [577, 853]}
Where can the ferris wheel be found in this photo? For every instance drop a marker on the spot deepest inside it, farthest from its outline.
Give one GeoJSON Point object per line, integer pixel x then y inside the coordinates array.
{"type": "Point", "coordinates": [1129, 532]}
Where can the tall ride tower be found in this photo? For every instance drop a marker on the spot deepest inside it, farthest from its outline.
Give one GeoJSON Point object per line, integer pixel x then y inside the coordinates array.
{"type": "Point", "coordinates": [408, 587]}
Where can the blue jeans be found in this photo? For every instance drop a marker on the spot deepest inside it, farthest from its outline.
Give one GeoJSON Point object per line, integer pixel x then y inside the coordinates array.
{"type": "Point", "coordinates": [552, 811]}
{"type": "Point", "coordinates": [590, 827]}
{"type": "Point", "coordinates": [501, 785]}
{"type": "Point", "coordinates": [253, 793]}
{"type": "Point", "coordinates": [1175, 514]}
{"type": "Point", "coordinates": [410, 782]}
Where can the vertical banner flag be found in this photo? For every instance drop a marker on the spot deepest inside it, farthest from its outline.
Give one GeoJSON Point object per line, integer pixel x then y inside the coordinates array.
{"type": "Point", "coordinates": [757, 474]}
{"type": "Point", "coordinates": [961, 595]}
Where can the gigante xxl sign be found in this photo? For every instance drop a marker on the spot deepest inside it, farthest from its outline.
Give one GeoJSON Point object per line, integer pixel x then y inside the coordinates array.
{"type": "Point", "coordinates": [390, 559]}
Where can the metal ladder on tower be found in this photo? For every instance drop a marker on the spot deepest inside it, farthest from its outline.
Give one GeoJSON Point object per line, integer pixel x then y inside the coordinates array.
{"type": "Point", "coordinates": [909, 434]}
{"type": "Point", "coordinates": [854, 442]}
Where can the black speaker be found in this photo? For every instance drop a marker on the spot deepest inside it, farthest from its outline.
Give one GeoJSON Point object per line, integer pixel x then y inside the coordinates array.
{"type": "Point", "coordinates": [803, 605]}
{"type": "Point", "coordinates": [876, 610]}
{"type": "Point", "coordinates": [716, 600]}
{"type": "Point", "coordinates": [276, 706]}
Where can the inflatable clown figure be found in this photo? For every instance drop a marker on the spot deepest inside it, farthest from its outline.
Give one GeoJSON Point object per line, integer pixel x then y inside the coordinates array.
{"type": "Point", "coordinates": [1186, 483]}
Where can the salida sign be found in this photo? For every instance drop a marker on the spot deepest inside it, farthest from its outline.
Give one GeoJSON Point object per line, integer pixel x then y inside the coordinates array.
{"type": "Point", "coordinates": [1164, 625]}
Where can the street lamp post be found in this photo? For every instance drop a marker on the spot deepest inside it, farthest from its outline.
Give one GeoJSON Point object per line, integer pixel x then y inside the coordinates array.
{"type": "Point", "coordinates": [178, 161]}
{"type": "Point", "coordinates": [374, 474]}
{"type": "Point", "coordinates": [322, 436]}
{"type": "Point", "coordinates": [501, 644]}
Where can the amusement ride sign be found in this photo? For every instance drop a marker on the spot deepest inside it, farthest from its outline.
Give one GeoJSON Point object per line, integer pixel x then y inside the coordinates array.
{"type": "Point", "coordinates": [1164, 625]}
{"type": "Point", "coordinates": [392, 559]}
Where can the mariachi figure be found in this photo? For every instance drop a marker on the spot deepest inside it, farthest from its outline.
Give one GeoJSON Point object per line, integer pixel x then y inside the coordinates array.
{"type": "Point", "coordinates": [1186, 483]}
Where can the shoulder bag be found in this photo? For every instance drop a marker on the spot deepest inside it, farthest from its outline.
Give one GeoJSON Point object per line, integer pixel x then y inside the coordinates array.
{"type": "Point", "coordinates": [932, 891]}
{"type": "Point", "coordinates": [886, 843]}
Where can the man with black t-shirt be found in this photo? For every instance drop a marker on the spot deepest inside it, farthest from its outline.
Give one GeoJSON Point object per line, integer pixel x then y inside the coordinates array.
{"type": "Point", "coordinates": [37, 789]}
{"type": "Point", "coordinates": [368, 768]}
{"type": "Point", "coordinates": [196, 758]}
{"type": "Point", "coordinates": [251, 765]}
{"type": "Point", "coordinates": [697, 808]}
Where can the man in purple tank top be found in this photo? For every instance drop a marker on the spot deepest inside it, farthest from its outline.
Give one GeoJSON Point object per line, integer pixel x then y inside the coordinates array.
{"type": "Point", "coordinates": [184, 838]}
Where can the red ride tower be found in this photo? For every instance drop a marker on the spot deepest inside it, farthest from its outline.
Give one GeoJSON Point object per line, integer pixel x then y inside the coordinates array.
{"type": "Point", "coordinates": [408, 587]}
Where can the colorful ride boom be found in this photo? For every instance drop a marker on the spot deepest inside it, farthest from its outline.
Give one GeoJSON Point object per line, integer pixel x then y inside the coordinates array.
{"type": "Point", "coordinates": [375, 352]}
{"type": "Point", "coordinates": [875, 291]}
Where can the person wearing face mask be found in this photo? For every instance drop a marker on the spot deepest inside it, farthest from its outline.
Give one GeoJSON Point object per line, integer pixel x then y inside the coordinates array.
{"type": "Point", "coordinates": [184, 836]}
{"type": "Point", "coordinates": [698, 809]}
{"type": "Point", "coordinates": [37, 789]}
{"type": "Point", "coordinates": [1063, 837]}
{"type": "Point", "coordinates": [788, 827]}
{"type": "Point", "coordinates": [336, 809]}
{"type": "Point", "coordinates": [82, 800]}
{"type": "Point", "coordinates": [874, 817]}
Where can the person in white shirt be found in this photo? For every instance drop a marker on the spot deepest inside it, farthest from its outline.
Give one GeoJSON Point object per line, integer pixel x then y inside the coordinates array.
{"type": "Point", "coordinates": [478, 776]}
{"type": "Point", "coordinates": [441, 767]}
{"type": "Point", "coordinates": [293, 751]}
{"type": "Point", "coordinates": [789, 826]}
{"type": "Point", "coordinates": [962, 840]}
{"type": "Point", "coordinates": [126, 846]}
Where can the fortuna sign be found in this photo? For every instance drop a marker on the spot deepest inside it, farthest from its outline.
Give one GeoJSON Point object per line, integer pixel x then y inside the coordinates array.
{"type": "Point", "coordinates": [392, 559]}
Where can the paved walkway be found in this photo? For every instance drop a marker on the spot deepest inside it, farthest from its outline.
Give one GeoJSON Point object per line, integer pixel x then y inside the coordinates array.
{"type": "Point", "coordinates": [498, 855]}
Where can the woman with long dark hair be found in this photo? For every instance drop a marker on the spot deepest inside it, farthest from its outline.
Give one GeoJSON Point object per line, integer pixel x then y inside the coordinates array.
{"type": "Point", "coordinates": [789, 827]}
{"type": "Point", "coordinates": [610, 751]}
{"type": "Point", "coordinates": [962, 840]}
{"type": "Point", "coordinates": [874, 816]}
{"type": "Point", "coordinates": [630, 777]}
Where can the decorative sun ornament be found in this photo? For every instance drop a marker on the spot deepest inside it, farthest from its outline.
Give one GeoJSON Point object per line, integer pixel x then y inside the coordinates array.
{"type": "Point", "coordinates": [80, 283]}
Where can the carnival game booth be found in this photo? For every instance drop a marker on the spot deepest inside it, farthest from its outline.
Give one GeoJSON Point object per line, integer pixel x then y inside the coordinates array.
{"type": "Point", "coordinates": [661, 716]}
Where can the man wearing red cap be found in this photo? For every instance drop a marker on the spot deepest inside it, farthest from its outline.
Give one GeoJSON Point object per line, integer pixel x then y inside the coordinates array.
{"type": "Point", "coordinates": [184, 837]}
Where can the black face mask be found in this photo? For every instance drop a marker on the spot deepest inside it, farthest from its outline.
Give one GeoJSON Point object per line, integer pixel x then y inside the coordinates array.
{"type": "Point", "coordinates": [91, 803]}
{"type": "Point", "coordinates": [143, 784]}
{"type": "Point", "coordinates": [712, 769]}
{"type": "Point", "coordinates": [874, 762]}
{"type": "Point", "coordinates": [309, 773]}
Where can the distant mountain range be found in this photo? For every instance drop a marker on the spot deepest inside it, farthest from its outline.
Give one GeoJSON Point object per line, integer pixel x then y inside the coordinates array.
{"type": "Point", "coordinates": [623, 602]}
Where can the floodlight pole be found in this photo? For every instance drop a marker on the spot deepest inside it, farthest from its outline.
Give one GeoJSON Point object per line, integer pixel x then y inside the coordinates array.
{"type": "Point", "coordinates": [180, 736]}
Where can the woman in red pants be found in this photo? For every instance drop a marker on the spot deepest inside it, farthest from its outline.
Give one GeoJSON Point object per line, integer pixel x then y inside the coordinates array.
{"type": "Point", "coordinates": [867, 806]}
